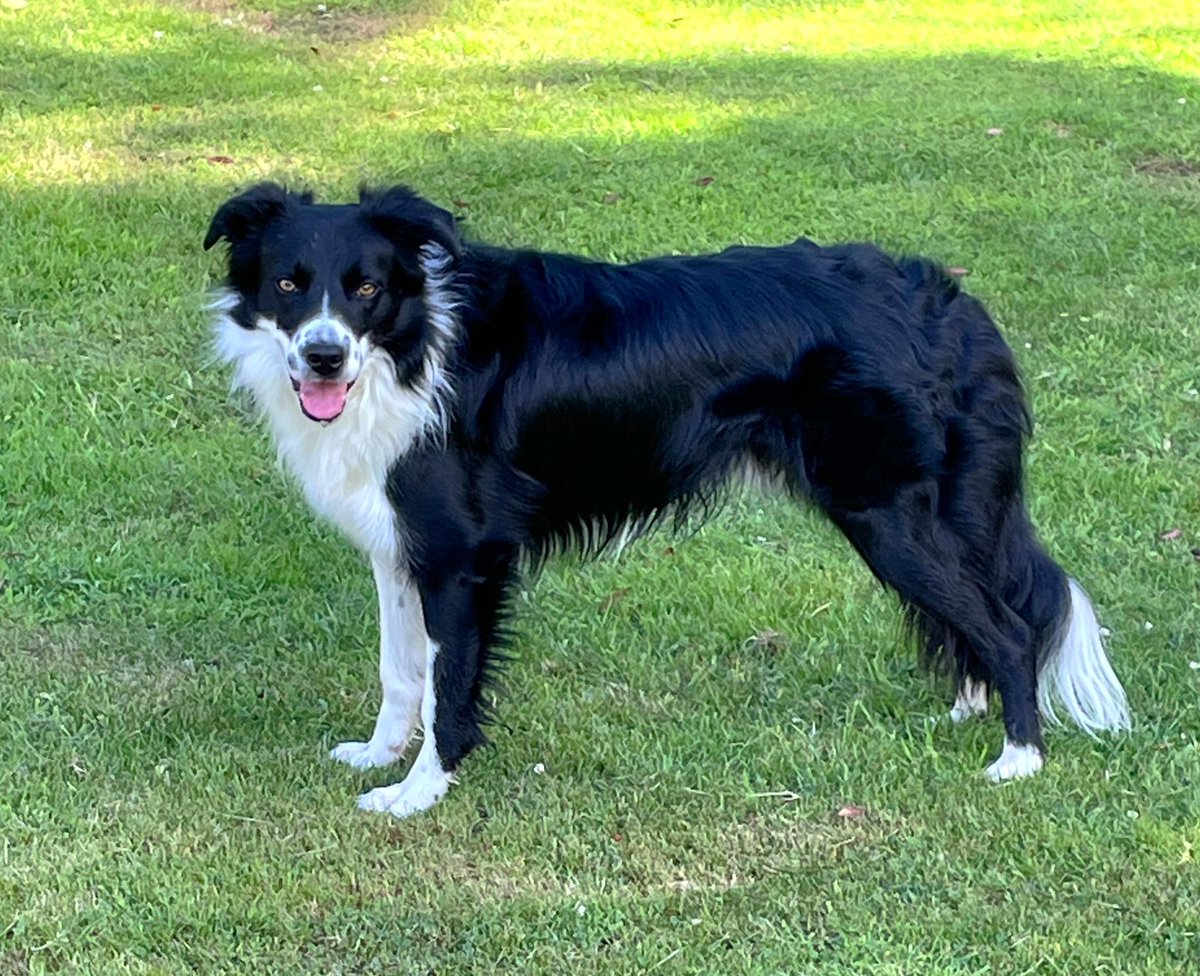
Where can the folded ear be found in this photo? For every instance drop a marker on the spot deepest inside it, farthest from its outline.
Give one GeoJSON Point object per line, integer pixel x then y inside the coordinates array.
{"type": "Point", "coordinates": [410, 221]}
{"type": "Point", "coordinates": [249, 212]}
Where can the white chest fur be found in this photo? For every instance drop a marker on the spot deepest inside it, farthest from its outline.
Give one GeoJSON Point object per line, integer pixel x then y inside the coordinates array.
{"type": "Point", "coordinates": [341, 466]}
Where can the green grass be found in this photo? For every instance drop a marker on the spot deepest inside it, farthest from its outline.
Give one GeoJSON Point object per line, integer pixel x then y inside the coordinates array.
{"type": "Point", "coordinates": [180, 643]}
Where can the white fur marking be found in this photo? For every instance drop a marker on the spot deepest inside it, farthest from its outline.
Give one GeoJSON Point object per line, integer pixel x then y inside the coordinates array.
{"type": "Point", "coordinates": [440, 304]}
{"type": "Point", "coordinates": [326, 327]}
{"type": "Point", "coordinates": [1077, 675]}
{"type": "Point", "coordinates": [753, 477]}
{"type": "Point", "coordinates": [427, 781]}
{"type": "Point", "coordinates": [402, 644]}
{"type": "Point", "coordinates": [1015, 762]}
{"type": "Point", "coordinates": [971, 700]}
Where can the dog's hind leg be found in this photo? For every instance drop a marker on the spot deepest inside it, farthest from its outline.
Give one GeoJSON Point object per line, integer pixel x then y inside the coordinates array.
{"type": "Point", "coordinates": [970, 699]}
{"type": "Point", "coordinates": [1075, 676]}
{"type": "Point", "coordinates": [928, 567]}
{"type": "Point", "coordinates": [945, 649]}
{"type": "Point", "coordinates": [402, 656]}
{"type": "Point", "coordinates": [882, 448]}
{"type": "Point", "coordinates": [871, 456]}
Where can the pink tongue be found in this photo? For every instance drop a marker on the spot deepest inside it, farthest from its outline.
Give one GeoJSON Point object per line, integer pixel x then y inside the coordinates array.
{"type": "Point", "coordinates": [323, 400]}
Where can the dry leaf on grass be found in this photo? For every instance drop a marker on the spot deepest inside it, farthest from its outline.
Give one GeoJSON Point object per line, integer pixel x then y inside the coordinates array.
{"type": "Point", "coordinates": [767, 639]}
{"type": "Point", "coordinates": [615, 597]}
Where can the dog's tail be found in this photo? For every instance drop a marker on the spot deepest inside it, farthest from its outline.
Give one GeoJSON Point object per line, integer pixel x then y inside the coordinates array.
{"type": "Point", "coordinates": [1076, 676]}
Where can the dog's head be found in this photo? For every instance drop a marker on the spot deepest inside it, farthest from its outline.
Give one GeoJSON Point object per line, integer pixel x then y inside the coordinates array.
{"type": "Point", "coordinates": [333, 284]}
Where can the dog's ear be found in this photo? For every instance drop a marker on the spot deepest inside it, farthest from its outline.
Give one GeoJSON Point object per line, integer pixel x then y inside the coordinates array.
{"type": "Point", "coordinates": [249, 212]}
{"type": "Point", "coordinates": [410, 221]}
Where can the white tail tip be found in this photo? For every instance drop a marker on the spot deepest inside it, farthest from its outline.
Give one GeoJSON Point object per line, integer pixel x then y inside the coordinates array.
{"type": "Point", "coordinates": [1077, 677]}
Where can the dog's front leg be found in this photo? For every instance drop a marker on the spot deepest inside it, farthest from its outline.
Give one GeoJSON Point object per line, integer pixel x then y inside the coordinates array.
{"type": "Point", "coordinates": [462, 606]}
{"type": "Point", "coordinates": [429, 778]}
{"type": "Point", "coordinates": [403, 650]}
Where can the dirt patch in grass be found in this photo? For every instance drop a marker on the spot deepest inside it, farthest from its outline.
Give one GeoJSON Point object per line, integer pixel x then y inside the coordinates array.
{"type": "Point", "coordinates": [1167, 167]}
{"type": "Point", "coordinates": [74, 652]}
{"type": "Point", "coordinates": [679, 859]}
{"type": "Point", "coordinates": [501, 881]}
{"type": "Point", "coordinates": [748, 850]}
{"type": "Point", "coordinates": [344, 26]}
{"type": "Point", "coordinates": [14, 962]}
{"type": "Point", "coordinates": [333, 25]}
{"type": "Point", "coordinates": [775, 843]}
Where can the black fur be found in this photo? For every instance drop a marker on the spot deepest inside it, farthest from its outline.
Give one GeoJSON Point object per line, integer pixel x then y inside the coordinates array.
{"type": "Point", "coordinates": [589, 395]}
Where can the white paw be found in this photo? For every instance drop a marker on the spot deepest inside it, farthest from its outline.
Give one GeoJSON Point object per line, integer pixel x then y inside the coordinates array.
{"type": "Point", "coordinates": [971, 700]}
{"type": "Point", "coordinates": [366, 755]}
{"type": "Point", "coordinates": [420, 790]}
{"type": "Point", "coordinates": [961, 712]}
{"type": "Point", "coordinates": [1015, 762]}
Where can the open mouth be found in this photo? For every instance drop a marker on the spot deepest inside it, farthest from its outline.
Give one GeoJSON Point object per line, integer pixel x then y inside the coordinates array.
{"type": "Point", "coordinates": [322, 400]}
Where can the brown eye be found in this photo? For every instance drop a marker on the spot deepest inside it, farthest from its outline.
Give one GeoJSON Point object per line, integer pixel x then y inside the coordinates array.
{"type": "Point", "coordinates": [287, 286]}
{"type": "Point", "coordinates": [368, 289]}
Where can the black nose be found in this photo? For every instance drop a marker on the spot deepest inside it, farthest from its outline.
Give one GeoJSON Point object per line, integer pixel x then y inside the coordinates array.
{"type": "Point", "coordinates": [324, 358]}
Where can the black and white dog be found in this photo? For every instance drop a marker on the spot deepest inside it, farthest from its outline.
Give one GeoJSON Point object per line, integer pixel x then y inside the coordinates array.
{"type": "Point", "coordinates": [460, 411]}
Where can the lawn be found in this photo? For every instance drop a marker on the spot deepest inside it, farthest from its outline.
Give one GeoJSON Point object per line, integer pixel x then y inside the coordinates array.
{"type": "Point", "coordinates": [714, 754]}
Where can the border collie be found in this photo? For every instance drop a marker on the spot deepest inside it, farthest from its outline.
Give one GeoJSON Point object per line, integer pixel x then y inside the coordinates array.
{"type": "Point", "coordinates": [461, 411]}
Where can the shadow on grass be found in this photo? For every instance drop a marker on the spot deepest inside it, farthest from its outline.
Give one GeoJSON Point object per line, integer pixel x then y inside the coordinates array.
{"type": "Point", "coordinates": [704, 153]}
{"type": "Point", "coordinates": [754, 123]}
